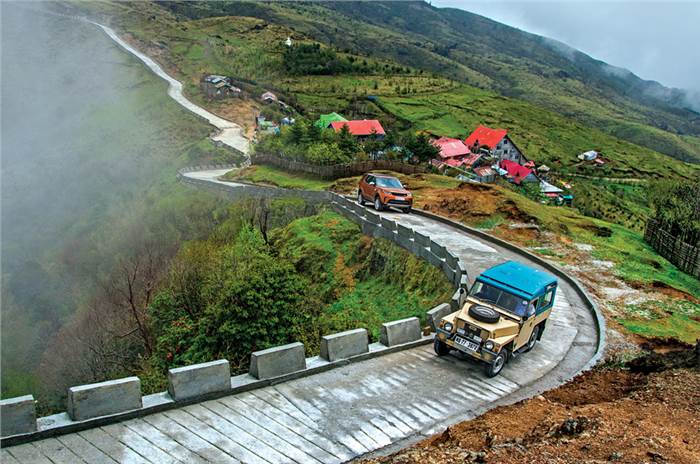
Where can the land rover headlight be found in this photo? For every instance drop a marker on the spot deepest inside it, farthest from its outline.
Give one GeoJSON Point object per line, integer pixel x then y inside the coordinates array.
{"type": "Point", "coordinates": [448, 326]}
{"type": "Point", "coordinates": [488, 345]}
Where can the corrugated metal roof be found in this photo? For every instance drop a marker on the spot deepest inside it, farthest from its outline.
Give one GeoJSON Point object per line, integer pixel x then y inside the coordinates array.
{"type": "Point", "coordinates": [360, 127]}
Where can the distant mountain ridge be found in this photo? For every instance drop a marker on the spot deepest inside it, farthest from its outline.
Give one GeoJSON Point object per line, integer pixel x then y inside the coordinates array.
{"type": "Point", "coordinates": [484, 53]}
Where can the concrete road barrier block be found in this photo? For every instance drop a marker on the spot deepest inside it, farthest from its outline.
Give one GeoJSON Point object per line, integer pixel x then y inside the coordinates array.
{"type": "Point", "coordinates": [388, 225]}
{"type": "Point", "coordinates": [199, 379]}
{"type": "Point", "coordinates": [421, 240]}
{"type": "Point", "coordinates": [439, 250]}
{"type": "Point", "coordinates": [462, 268]}
{"type": "Point", "coordinates": [17, 415]}
{"type": "Point", "coordinates": [452, 260]}
{"type": "Point", "coordinates": [104, 398]}
{"type": "Point", "coordinates": [372, 217]}
{"type": "Point", "coordinates": [434, 259]}
{"type": "Point", "coordinates": [368, 228]}
{"type": "Point", "coordinates": [404, 231]}
{"type": "Point", "coordinates": [400, 332]}
{"type": "Point", "coordinates": [436, 314]}
{"type": "Point", "coordinates": [344, 344]}
{"type": "Point", "coordinates": [385, 233]}
{"type": "Point", "coordinates": [277, 361]}
{"type": "Point", "coordinates": [405, 243]}
{"type": "Point", "coordinates": [458, 299]}
{"type": "Point", "coordinates": [464, 282]}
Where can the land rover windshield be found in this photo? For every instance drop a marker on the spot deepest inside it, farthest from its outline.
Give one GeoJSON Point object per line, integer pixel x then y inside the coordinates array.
{"type": "Point", "coordinates": [500, 298]}
{"type": "Point", "coordinates": [388, 182]}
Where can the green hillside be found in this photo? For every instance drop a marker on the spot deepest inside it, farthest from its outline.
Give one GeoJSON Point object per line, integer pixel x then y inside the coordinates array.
{"type": "Point", "coordinates": [483, 53]}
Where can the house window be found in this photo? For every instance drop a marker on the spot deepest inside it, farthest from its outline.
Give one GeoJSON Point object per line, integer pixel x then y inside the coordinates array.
{"type": "Point", "coordinates": [505, 141]}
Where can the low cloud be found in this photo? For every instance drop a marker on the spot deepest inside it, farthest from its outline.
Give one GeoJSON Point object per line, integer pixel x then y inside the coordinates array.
{"type": "Point", "coordinates": [655, 40]}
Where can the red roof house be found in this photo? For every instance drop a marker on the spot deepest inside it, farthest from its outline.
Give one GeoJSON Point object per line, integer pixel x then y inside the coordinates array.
{"type": "Point", "coordinates": [362, 127]}
{"type": "Point", "coordinates": [451, 148]}
{"type": "Point", "coordinates": [485, 136]}
{"type": "Point", "coordinates": [517, 172]}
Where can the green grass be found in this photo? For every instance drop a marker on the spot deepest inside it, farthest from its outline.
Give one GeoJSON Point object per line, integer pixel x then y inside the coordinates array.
{"type": "Point", "coordinates": [372, 302]}
{"type": "Point", "coordinates": [362, 281]}
{"type": "Point", "coordinates": [270, 175]}
{"type": "Point", "coordinates": [637, 262]}
{"type": "Point", "coordinates": [490, 222]}
{"type": "Point", "coordinates": [678, 319]}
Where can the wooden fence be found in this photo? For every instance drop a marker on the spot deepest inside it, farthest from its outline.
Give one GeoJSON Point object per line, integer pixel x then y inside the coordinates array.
{"type": "Point", "coordinates": [685, 256]}
{"type": "Point", "coordinates": [336, 171]}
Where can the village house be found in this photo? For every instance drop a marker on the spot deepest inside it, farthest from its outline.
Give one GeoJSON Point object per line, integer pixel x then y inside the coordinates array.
{"type": "Point", "coordinates": [325, 120]}
{"type": "Point", "coordinates": [452, 151]}
{"type": "Point", "coordinates": [484, 174]}
{"type": "Point", "coordinates": [494, 142]}
{"type": "Point", "coordinates": [362, 129]}
{"type": "Point", "coordinates": [517, 173]}
{"type": "Point", "coordinates": [268, 97]}
{"type": "Point", "coordinates": [215, 86]}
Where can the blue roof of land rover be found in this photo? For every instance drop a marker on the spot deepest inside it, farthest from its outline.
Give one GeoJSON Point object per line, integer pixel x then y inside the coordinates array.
{"type": "Point", "coordinates": [517, 276]}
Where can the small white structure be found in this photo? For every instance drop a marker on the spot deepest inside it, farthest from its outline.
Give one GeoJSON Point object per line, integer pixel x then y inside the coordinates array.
{"type": "Point", "coordinates": [288, 42]}
{"type": "Point", "coordinates": [268, 97]}
{"type": "Point", "coordinates": [547, 188]}
{"type": "Point", "coordinates": [588, 155]}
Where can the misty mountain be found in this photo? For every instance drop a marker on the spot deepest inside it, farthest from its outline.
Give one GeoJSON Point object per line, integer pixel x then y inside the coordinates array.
{"type": "Point", "coordinates": [487, 54]}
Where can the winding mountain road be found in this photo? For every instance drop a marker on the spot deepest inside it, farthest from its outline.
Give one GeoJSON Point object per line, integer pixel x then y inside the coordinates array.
{"type": "Point", "coordinates": [230, 133]}
{"type": "Point", "coordinates": [350, 411]}
{"type": "Point", "coordinates": [354, 410]}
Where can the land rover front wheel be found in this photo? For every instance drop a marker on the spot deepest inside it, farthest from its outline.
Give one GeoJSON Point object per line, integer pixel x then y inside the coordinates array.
{"type": "Point", "coordinates": [533, 338]}
{"type": "Point", "coordinates": [378, 204]}
{"type": "Point", "coordinates": [441, 348]}
{"type": "Point", "coordinates": [496, 366]}
{"type": "Point", "coordinates": [360, 200]}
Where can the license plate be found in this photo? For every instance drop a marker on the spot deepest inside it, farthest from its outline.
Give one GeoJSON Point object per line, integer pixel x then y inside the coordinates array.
{"type": "Point", "coordinates": [466, 343]}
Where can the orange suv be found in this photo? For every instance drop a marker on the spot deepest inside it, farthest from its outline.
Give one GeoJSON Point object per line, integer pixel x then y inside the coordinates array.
{"type": "Point", "coordinates": [384, 192]}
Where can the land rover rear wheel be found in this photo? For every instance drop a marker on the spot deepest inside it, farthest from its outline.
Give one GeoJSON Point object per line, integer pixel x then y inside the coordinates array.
{"type": "Point", "coordinates": [533, 338]}
{"type": "Point", "coordinates": [441, 348]}
{"type": "Point", "coordinates": [496, 366]}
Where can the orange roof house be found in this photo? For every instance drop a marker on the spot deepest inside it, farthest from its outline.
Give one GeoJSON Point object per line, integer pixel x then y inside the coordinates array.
{"type": "Point", "coordinates": [485, 136]}
{"type": "Point", "coordinates": [496, 142]}
{"type": "Point", "coordinates": [451, 148]}
{"type": "Point", "coordinates": [361, 128]}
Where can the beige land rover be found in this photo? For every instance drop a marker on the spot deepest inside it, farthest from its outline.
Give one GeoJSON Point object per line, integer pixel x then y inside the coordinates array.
{"type": "Point", "coordinates": [505, 314]}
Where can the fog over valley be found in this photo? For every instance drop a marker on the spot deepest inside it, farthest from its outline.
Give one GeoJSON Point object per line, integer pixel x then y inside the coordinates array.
{"type": "Point", "coordinates": [81, 151]}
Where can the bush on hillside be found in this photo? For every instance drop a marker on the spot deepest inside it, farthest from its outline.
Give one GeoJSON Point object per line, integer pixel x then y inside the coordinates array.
{"type": "Point", "coordinates": [311, 59]}
{"type": "Point", "coordinates": [676, 205]}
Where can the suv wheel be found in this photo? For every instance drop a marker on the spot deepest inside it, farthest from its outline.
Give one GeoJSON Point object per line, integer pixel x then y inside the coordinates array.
{"type": "Point", "coordinates": [378, 204]}
{"type": "Point", "coordinates": [441, 348]}
{"type": "Point", "coordinates": [360, 200]}
{"type": "Point", "coordinates": [407, 210]}
{"type": "Point", "coordinates": [494, 368]}
{"type": "Point", "coordinates": [533, 338]}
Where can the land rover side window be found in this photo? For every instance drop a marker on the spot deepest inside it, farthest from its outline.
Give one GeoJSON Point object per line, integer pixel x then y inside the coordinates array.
{"type": "Point", "coordinates": [370, 180]}
{"type": "Point", "coordinates": [547, 299]}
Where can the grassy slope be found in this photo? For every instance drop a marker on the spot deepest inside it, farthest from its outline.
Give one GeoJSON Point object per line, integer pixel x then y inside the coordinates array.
{"type": "Point", "coordinates": [507, 60]}
{"type": "Point", "coordinates": [251, 49]}
{"type": "Point", "coordinates": [270, 175]}
{"type": "Point", "coordinates": [334, 252]}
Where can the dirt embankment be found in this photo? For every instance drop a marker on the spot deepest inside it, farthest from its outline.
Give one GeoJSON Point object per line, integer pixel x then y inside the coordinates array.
{"type": "Point", "coordinates": [647, 410]}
